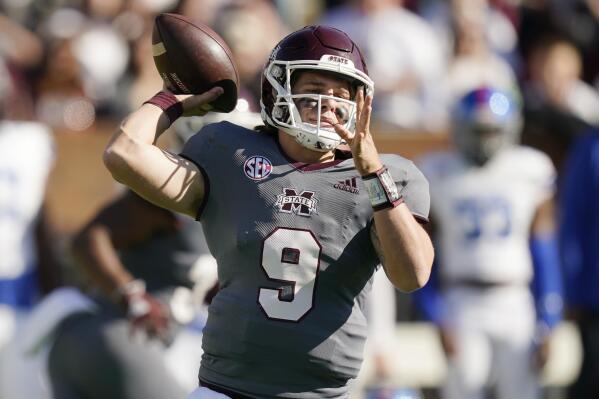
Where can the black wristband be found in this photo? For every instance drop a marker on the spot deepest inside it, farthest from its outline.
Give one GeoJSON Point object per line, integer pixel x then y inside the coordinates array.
{"type": "Point", "coordinates": [167, 102]}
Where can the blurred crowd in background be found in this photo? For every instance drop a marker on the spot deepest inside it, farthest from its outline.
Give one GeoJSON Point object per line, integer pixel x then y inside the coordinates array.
{"type": "Point", "coordinates": [72, 63]}
{"type": "Point", "coordinates": [79, 66]}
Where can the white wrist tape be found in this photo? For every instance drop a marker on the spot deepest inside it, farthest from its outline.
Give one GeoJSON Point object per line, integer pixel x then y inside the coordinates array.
{"type": "Point", "coordinates": [132, 288]}
{"type": "Point", "coordinates": [382, 190]}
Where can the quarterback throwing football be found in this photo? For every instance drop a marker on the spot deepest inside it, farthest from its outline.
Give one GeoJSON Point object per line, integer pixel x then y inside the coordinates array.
{"type": "Point", "coordinates": [297, 221]}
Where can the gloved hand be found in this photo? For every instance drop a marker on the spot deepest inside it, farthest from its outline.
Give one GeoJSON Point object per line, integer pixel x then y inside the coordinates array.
{"type": "Point", "coordinates": [146, 313]}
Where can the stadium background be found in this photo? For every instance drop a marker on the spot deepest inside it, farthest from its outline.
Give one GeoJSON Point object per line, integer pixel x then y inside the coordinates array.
{"type": "Point", "coordinates": [80, 66]}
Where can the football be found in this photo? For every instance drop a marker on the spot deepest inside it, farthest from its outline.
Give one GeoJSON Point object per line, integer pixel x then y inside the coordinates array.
{"type": "Point", "coordinates": [191, 59]}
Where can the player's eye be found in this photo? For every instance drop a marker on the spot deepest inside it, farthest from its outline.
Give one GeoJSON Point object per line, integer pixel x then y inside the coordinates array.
{"type": "Point", "coordinates": [342, 112]}
{"type": "Point", "coordinates": [306, 103]}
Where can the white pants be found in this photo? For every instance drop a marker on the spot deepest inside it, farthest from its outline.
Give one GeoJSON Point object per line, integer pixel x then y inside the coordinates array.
{"type": "Point", "coordinates": [21, 375]}
{"type": "Point", "coordinates": [493, 329]}
{"type": "Point", "coordinates": [205, 393]}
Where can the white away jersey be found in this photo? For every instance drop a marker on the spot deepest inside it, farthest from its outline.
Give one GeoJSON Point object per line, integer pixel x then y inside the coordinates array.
{"type": "Point", "coordinates": [483, 215]}
{"type": "Point", "coordinates": [26, 156]}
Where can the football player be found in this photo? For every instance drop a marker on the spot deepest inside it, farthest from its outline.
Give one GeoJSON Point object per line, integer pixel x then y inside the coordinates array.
{"type": "Point", "coordinates": [28, 266]}
{"type": "Point", "coordinates": [143, 262]}
{"type": "Point", "coordinates": [491, 205]}
{"type": "Point", "coordinates": [297, 221]}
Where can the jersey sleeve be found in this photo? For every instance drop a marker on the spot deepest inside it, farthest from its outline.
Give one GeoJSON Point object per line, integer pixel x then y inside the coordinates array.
{"type": "Point", "coordinates": [541, 174]}
{"type": "Point", "coordinates": [199, 150]}
{"type": "Point", "coordinates": [429, 299]}
{"type": "Point", "coordinates": [412, 185]}
{"type": "Point", "coordinates": [198, 146]}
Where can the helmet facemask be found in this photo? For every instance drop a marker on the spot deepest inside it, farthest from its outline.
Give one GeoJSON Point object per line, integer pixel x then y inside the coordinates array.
{"type": "Point", "coordinates": [286, 112]}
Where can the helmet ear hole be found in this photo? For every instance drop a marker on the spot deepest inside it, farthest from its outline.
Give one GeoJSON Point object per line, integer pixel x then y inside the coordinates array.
{"type": "Point", "coordinates": [278, 72]}
{"type": "Point", "coordinates": [279, 113]}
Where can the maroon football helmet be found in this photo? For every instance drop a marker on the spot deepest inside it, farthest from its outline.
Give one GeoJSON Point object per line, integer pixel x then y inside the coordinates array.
{"type": "Point", "coordinates": [316, 48]}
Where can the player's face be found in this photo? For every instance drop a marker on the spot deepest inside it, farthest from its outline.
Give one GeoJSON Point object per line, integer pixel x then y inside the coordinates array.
{"type": "Point", "coordinates": [312, 84]}
{"type": "Point", "coordinates": [485, 142]}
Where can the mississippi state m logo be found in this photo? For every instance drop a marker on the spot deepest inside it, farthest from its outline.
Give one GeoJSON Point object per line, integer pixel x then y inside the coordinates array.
{"type": "Point", "coordinates": [303, 204]}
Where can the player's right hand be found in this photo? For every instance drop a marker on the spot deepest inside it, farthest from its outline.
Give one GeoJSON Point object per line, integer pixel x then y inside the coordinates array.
{"type": "Point", "coordinates": [148, 315]}
{"type": "Point", "coordinates": [199, 104]}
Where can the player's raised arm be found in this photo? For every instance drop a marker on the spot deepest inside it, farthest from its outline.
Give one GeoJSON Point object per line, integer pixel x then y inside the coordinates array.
{"type": "Point", "coordinates": [404, 247]}
{"type": "Point", "coordinates": [190, 58]}
{"type": "Point", "coordinates": [161, 177]}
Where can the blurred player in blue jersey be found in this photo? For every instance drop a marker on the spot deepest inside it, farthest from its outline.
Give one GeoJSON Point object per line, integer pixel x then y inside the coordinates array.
{"type": "Point", "coordinates": [491, 206]}
{"type": "Point", "coordinates": [28, 269]}
{"type": "Point", "coordinates": [297, 221]}
{"type": "Point", "coordinates": [579, 238]}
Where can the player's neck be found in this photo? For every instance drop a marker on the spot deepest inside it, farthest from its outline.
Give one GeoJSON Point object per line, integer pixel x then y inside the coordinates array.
{"type": "Point", "coordinates": [299, 153]}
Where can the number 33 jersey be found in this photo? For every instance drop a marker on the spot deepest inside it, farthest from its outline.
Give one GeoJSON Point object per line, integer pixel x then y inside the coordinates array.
{"type": "Point", "coordinates": [482, 215]}
{"type": "Point", "coordinates": [295, 263]}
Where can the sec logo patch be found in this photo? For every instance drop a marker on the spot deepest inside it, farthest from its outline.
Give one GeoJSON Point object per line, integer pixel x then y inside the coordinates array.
{"type": "Point", "coordinates": [257, 167]}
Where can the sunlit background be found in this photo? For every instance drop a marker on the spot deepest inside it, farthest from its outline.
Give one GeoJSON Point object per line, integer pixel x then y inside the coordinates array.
{"type": "Point", "coordinates": [80, 66]}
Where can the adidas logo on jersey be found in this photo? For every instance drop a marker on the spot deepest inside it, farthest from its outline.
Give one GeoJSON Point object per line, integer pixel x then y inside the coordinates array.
{"type": "Point", "coordinates": [348, 185]}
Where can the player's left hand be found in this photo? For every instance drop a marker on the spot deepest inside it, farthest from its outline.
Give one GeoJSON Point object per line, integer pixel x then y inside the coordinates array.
{"type": "Point", "coordinates": [366, 156]}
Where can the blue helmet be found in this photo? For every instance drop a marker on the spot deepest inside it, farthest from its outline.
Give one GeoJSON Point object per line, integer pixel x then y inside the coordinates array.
{"type": "Point", "coordinates": [484, 121]}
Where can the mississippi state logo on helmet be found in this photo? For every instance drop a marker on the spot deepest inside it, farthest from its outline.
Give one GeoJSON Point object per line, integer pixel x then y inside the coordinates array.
{"type": "Point", "coordinates": [314, 48]}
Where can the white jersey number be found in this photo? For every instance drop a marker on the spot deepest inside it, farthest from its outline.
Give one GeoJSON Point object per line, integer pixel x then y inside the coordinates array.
{"type": "Point", "coordinates": [291, 258]}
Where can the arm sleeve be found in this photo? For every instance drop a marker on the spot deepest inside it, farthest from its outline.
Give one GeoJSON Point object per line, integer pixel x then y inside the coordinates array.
{"type": "Point", "coordinates": [547, 283]}
{"type": "Point", "coordinates": [429, 300]}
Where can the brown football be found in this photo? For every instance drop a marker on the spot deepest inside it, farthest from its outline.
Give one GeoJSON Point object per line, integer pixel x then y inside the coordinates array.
{"type": "Point", "coordinates": [191, 59]}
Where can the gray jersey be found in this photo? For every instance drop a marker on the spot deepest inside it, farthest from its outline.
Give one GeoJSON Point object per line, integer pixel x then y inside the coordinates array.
{"type": "Point", "coordinates": [295, 264]}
